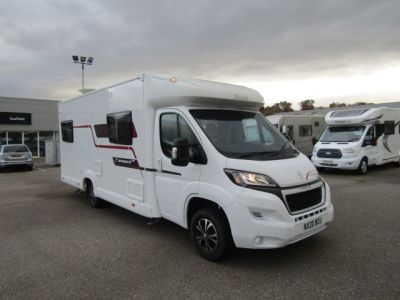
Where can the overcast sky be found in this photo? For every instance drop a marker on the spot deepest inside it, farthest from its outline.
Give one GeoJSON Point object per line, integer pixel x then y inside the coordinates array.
{"type": "Point", "coordinates": [342, 50]}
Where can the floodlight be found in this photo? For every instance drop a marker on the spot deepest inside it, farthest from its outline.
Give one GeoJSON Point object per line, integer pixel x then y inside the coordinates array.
{"type": "Point", "coordinates": [90, 60]}
{"type": "Point", "coordinates": [83, 59]}
{"type": "Point", "coordinates": [75, 58]}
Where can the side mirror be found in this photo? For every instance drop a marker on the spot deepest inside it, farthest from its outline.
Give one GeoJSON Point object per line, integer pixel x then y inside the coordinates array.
{"type": "Point", "coordinates": [180, 153]}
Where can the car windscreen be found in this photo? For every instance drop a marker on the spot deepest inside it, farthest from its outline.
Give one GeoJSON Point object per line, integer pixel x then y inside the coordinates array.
{"type": "Point", "coordinates": [15, 149]}
{"type": "Point", "coordinates": [343, 134]}
{"type": "Point", "coordinates": [243, 134]}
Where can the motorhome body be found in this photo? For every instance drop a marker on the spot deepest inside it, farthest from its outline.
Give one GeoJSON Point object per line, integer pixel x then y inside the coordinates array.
{"type": "Point", "coordinates": [301, 130]}
{"type": "Point", "coordinates": [358, 138]}
{"type": "Point", "coordinates": [197, 153]}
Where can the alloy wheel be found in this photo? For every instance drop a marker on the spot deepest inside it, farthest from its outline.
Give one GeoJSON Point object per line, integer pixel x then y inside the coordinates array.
{"type": "Point", "coordinates": [206, 235]}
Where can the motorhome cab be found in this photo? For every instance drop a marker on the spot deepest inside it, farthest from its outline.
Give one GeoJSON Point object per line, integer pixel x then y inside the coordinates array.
{"type": "Point", "coordinates": [197, 153]}
{"type": "Point", "coordinates": [358, 138]}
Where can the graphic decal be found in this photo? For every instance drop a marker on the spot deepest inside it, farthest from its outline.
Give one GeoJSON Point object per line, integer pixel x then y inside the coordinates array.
{"type": "Point", "coordinates": [386, 137]}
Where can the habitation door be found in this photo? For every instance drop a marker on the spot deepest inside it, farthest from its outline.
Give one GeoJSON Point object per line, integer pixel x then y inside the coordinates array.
{"type": "Point", "coordinates": [173, 183]}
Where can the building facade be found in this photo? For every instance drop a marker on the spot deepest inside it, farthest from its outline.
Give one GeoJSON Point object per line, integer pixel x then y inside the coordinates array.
{"type": "Point", "coordinates": [28, 121]}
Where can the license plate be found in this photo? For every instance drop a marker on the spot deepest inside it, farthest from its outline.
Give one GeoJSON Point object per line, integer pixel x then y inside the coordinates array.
{"type": "Point", "coordinates": [327, 161]}
{"type": "Point", "coordinates": [16, 157]}
{"type": "Point", "coordinates": [312, 223]}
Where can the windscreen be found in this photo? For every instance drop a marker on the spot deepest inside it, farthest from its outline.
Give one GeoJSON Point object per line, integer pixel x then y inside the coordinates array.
{"type": "Point", "coordinates": [343, 134]}
{"type": "Point", "coordinates": [17, 149]}
{"type": "Point", "coordinates": [243, 135]}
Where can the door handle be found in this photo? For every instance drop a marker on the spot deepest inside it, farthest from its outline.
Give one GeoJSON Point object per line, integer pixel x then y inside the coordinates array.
{"type": "Point", "coordinates": [159, 165]}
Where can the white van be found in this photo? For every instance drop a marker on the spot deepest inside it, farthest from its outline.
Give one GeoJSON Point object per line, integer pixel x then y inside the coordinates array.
{"type": "Point", "coordinates": [358, 138]}
{"type": "Point", "coordinates": [301, 130]}
{"type": "Point", "coordinates": [197, 153]}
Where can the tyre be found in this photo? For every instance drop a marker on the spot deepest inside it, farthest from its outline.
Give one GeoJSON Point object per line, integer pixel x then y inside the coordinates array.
{"type": "Point", "coordinates": [30, 168]}
{"type": "Point", "coordinates": [211, 234]}
{"type": "Point", "coordinates": [93, 200]}
{"type": "Point", "coordinates": [363, 167]}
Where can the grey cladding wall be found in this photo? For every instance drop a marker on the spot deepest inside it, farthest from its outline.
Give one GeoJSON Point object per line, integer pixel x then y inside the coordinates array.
{"type": "Point", "coordinates": [44, 113]}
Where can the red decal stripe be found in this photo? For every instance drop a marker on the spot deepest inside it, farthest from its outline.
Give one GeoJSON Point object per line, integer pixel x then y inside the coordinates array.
{"type": "Point", "coordinates": [111, 146]}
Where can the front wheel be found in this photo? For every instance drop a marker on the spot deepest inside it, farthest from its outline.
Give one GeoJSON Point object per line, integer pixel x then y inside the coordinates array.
{"type": "Point", "coordinates": [363, 167]}
{"type": "Point", "coordinates": [211, 234]}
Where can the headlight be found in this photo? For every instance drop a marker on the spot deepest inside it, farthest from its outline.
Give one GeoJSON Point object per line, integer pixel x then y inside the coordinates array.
{"type": "Point", "coordinates": [243, 178]}
{"type": "Point", "coordinates": [349, 150]}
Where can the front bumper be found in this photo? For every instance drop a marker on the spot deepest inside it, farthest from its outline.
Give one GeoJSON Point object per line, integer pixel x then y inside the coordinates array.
{"type": "Point", "coordinates": [260, 220]}
{"type": "Point", "coordinates": [337, 163]}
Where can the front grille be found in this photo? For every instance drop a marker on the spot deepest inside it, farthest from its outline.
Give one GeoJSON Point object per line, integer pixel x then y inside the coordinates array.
{"type": "Point", "coordinates": [304, 200]}
{"type": "Point", "coordinates": [329, 153]}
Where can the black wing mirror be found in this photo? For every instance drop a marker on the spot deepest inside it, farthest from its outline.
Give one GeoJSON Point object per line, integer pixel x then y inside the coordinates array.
{"type": "Point", "coordinates": [180, 153]}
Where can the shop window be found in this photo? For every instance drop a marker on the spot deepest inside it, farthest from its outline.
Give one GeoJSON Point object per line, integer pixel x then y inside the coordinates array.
{"type": "Point", "coordinates": [14, 137]}
{"type": "Point", "coordinates": [30, 139]}
{"type": "Point", "coordinates": [67, 131]}
{"type": "Point", "coordinates": [43, 137]}
{"type": "Point", "coordinates": [305, 130]}
{"type": "Point", "coordinates": [120, 128]}
{"type": "Point", "coordinates": [3, 138]}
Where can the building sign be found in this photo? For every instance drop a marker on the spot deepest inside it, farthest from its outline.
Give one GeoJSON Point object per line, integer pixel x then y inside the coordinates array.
{"type": "Point", "coordinates": [15, 118]}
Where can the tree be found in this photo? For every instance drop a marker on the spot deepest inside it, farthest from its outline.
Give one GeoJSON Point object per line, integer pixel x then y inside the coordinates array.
{"type": "Point", "coordinates": [337, 104]}
{"type": "Point", "coordinates": [282, 106]}
{"type": "Point", "coordinates": [285, 106]}
{"type": "Point", "coordinates": [307, 104]}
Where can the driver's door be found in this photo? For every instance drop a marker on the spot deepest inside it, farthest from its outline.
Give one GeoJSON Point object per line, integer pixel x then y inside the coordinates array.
{"type": "Point", "coordinates": [173, 183]}
{"type": "Point", "coordinates": [370, 146]}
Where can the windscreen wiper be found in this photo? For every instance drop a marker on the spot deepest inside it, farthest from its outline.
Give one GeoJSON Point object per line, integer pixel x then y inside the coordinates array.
{"type": "Point", "coordinates": [255, 154]}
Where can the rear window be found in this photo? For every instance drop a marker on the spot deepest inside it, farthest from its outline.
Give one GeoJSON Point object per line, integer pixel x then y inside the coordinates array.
{"type": "Point", "coordinates": [18, 149]}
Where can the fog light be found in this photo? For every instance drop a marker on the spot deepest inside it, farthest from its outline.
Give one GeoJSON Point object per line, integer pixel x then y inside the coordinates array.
{"type": "Point", "coordinates": [259, 240]}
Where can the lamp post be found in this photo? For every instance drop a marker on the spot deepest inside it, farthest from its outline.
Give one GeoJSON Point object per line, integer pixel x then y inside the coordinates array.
{"type": "Point", "coordinates": [82, 60]}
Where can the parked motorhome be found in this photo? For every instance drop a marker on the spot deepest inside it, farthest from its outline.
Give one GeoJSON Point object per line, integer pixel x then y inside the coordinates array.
{"type": "Point", "coordinates": [196, 153]}
{"type": "Point", "coordinates": [301, 130]}
{"type": "Point", "coordinates": [358, 138]}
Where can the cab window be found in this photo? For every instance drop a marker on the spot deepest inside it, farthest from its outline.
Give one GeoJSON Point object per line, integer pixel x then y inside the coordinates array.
{"type": "Point", "coordinates": [173, 127]}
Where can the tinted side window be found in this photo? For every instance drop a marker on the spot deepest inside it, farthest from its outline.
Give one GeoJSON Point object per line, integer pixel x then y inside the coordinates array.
{"type": "Point", "coordinates": [305, 130]}
{"type": "Point", "coordinates": [389, 127]}
{"type": "Point", "coordinates": [67, 131]}
{"type": "Point", "coordinates": [120, 128]}
{"type": "Point", "coordinates": [173, 127]}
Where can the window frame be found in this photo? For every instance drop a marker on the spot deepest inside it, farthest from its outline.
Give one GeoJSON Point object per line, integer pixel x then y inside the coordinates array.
{"type": "Point", "coordinates": [389, 123]}
{"type": "Point", "coordinates": [117, 140]}
{"type": "Point", "coordinates": [67, 139]}
{"type": "Point", "coordinates": [300, 131]}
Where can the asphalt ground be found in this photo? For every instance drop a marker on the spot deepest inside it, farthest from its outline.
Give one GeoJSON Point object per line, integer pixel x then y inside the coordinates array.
{"type": "Point", "coordinates": [54, 245]}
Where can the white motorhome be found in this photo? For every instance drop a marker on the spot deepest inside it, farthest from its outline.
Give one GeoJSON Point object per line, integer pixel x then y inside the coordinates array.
{"type": "Point", "coordinates": [301, 130]}
{"type": "Point", "coordinates": [358, 138]}
{"type": "Point", "coordinates": [197, 153]}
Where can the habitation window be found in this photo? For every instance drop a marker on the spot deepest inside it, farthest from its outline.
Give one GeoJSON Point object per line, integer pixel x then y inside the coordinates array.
{"type": "Point", "coordinates": [305, 130]}
{"type": "Point", "coordinates": [120, 128]}
{"type": "Point", "coordinates": [389, 127]}
{"type": "Point", "coordinates": [67, 131]}
{"type": "Point", "coordinates": [173, 127]}
{"type": "Point", "coordinates": [316, 124]}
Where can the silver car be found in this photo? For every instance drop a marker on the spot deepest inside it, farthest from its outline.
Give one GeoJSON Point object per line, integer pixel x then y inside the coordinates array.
{"type": "Point", "coordinates": [15, 155]}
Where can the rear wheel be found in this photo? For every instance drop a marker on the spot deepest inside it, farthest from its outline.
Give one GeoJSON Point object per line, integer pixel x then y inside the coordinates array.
{"type": "Point", "coordinates": [211, 234]}
{"type": "Point", "coordinates": [363, 167]}
{"type": "Point", "coordinates": [93, 200]}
